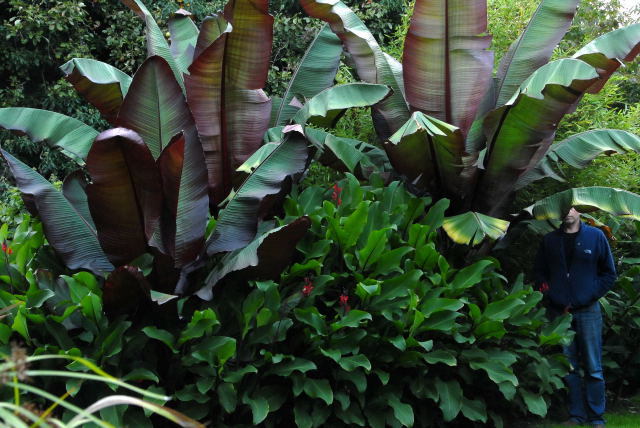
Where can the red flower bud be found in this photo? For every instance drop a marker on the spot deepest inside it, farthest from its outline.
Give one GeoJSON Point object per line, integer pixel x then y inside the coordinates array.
{"type": "Point", "coordinates": [10, 251]}
{"type": "Point", "coordinates": [4, 247]}
{"type": "Point", "coordinates": [344, 299]}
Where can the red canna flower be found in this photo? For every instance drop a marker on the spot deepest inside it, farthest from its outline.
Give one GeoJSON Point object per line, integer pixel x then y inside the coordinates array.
{"type": "Point", "coordinates": [336, 194]}
{"type": "Point", "coordinates": [344, 299]}
{"type": "Point", "coordinates": [307, 288]}
{"type": "Point", "coordinates": [10, 251]}
{"type": "Point", "coordinates": [4, 246]}
{"type": "Point", "coordinates": [544, 288]}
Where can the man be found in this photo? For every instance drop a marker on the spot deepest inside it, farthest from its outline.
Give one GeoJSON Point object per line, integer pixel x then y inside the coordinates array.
{"type": "Point", "coordinates": [574, 268]}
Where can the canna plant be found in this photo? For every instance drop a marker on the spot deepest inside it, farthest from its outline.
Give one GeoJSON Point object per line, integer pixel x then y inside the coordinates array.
{"type": "Point", "coordinates": [454, 130]}
{"type": "Point", "coordinates": [183, 125]}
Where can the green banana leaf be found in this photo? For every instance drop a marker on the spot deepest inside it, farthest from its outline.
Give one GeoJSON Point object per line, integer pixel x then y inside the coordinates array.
{"type": "Point", "coordinates": [315, 73]}
{"type": "Point", "coordinates": [446, 61]}
{"type": "Point", "coordinates": [101, 84]}
{"type": "Point", "coordinates": [238, 222]}
{"type": "Point", "coordinates": [430, 153]}
{"type": "Point", "coordinates": [608, 52]}
{"type": "Point", "coordinates": [327, 107]}
{"type": "Point", "coordinates": [154, 106]}
{"type": "Point", "coordinates": [186, 200]}
{"type": "Point", "coordinates": [125, 193]}
{"type": "Point", "coordinates": [257, 158]}
{"type": "Point", "coordinates": [372, 65]}
{"type": "Point", "coordinates": [472, 228]}
{"type": "Point", "coordinates": [73, 238]}
{"type": "Point", "coordinates": [534, 47]}
{"type": "Point", "coordinates": [585, 199]}
{"type": "Point", "coordinates": [521, 131]}
{"type": "Point", "coordinates": [73, 137]}
{"type": "Point", "coordinates": [264, 258]}
{"type": "Point", "coordinates": [156, 43]}
{"type": "Point", "coordinates": [580, 149]}
{"type": "Point", "coordinates": [74, 190]}
{"type": "Point", "coordinates": [183, 34]}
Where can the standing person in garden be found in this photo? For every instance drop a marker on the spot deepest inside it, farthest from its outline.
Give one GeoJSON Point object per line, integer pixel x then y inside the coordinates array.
{"type": "Point", "coordinates": [574, 268]}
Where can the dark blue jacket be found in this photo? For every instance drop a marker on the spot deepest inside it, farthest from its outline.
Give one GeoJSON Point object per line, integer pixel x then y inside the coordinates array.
{"type": "Point", "coordinates": [591, 272]}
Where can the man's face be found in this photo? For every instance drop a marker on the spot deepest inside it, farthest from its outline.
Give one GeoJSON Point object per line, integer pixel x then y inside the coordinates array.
{"type": "Point", "coordinates": [572, 217]}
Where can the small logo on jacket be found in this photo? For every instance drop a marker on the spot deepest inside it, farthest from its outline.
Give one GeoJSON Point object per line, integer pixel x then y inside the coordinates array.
{"type": "Point", "coordinates": [587, 251]}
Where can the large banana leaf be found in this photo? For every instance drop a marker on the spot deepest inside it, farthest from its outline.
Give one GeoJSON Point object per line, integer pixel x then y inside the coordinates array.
{"type": "Point", "coordinates": [101, 84]}
{"type": "Point", "coordinates": [372, 65]}
{"type": "Point", "coordinates": [73, 238]}
{"type": "Point", "coordinates": [248, 49]}
{"type": "Point", "coordinates": [69, 134]}
{"type": "Point", "coordinates": [184, 185]}
{"type": "Point", "coordinates": [264, 258]}
{"type": "Point", "coordinates": [125, 195]}
{"type": "Point", "coordinates": [522, 130]}
{"type": "Point", "coordinates": [584, 199]}
{"type": "Point", "coordinates": [184, 35]}
{"type": "Point", "coordinates": [327, 107]}
{"type": "Point", "coordinates": [230, 114]}
{"type": "Point", "coordinates": [534, 47]}
{"type": "Point", "coordinates": [447, 67]}
{"type": "Point", "coordinates": [315, 73]}
{"type": "Point", "coordinates": [154, 106]}
{"type": "Point", "coordinates": [472, 228]}
{"type": "Point", "coordinates": [238, 222]}
{"type": "Point", "coordinates": [580, 149]}
{"type": "Point", "coordinates": [608, 52]}
{"type": "Point", "coordinates": [156, 43]}
{"type": "Point", "coordinates": [430, 153]}
{"type": "Point", "coordinates": [74, 190]}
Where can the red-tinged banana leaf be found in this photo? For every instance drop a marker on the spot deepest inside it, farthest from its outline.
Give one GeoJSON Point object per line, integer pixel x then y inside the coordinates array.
{"type": "Point", "coordinates": [585, 199]}
{"type": "Point", "coordinates": [315, 73]}
{"type": "Point", "coordinates": [125, 290]}
{"type": "Point", "coordinates": [472, 228]}
{"type": "Point", "coordinates": [534, 47]}
{"type": "Point", "coordinates": [447, 67]}
{"type": "Point", "coordinates": [73, 137]}
{"type": "Point", "coordinates": [125, 195]}
{"type": "Point", "coordinates": [327, 107]}
{"type": "Point", "coordinates": [372, 65]}
{"type": "Point", "coordinates": [580, 149]}
{"type": "Point", "coordinates": [520, 132]}
{"type": "Point", "coordinates": [211, 29]}
{"type": "Point", "coordinates": [264, 258]}
{"type": "Point", "coordinates": [101, 84]}
{"type": "Point", "coordinates": [186, 200]}
{"type": "Point", "coordinates": [74, 190]}
{"type": "Point", "coordinates": [238, 222]}
{"type": "Point", "coordinates": [248, 49]}
{"type": "Point", "coordinates": [156, 43]}
{"type": "Point", "coordinates": [69, 234]}
{"type": "Point", "coordinates": [608, 52]}
{"type": "Point", "coordinates": [155, 107]}
{"type": "Point", "coordinates": [430, 153]}
{"type": "Point", "coordinates": [183, 34]}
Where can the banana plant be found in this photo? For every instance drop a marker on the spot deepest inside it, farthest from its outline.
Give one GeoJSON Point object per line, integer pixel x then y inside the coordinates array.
{"type": "Point", "coordinates": [453, 130]}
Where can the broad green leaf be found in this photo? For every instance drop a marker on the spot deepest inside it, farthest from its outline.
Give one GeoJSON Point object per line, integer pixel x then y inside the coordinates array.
{"type": "Point", "coordinates": [237, 224]}
{"type": "Point", "coordinates": [352, 319]}
{"type": "Point", "coordinates": [325, 108]}
{"type": "Point", "coordinates": [316, 72]}
{"type": "Point", "coordinates": [68, 233]}
{"type": "Point", "coordinates": [580, 149]}
{"type": "Point", "coordinates": [441, 356]}
{"type": "Point", "coordinates": [353, 362]}
{"type": "Point", "coordinates": [74, 191]}
{"type": "Point", "coordinates": [521, 131]}
{"type": "Point", "coordinates": [257, 158]}
{"type": "Point", "coordinates": [156, 43]}
{"type": "Point", "coordinates": [472, 228]}
{"type": "Point", "coordinates": [535, 402]}
{"type": "Point", "coordinates": [403, 412]}
{"type": "Point", "coordinates": [162, 335]}
{"type": "Point", "coordinates": [372, 64]}
{"type": "Point", "coordinates": [312, 318]}
{"type": "Point", "coordinates": [451, 397]}
{"type": "Point", "coordinates": [502, 309]}
{"type": "Point", "coordinates": [474, 410]}
{"type": "Point", "coordinates": [608, 52]}
{"type": "Point", "coordinates": [470, 275]}
{"type": "Point", "coordinates": [431, 154]}
{"type": "Point", "coordinates": [184, 36]}
{"type": "Point", "coordinates": [259, 408]}
{"type": "Point", "coordinates": [446, 62]}
{"type": "Point", "coordinates": [125, 194]}
{"type": "Point", "coordinates": [297, 364]}
{"type": "Point", "coordinates": [227, 397]}
{"type": "Point", "coordinates": [319, 388]}
{"type": "Point", "coordinates": [534, 47]}
{"type": "Point", "coordinates": [101, 84]}
{"type": "Point", "coordinates": [73, 137]}
{"type": "Point", "coordinates": [155, 107]}
{"type": "Point", "coordinates": [584, 199]}
{"type": "Point", "coordinates": [376, 246]}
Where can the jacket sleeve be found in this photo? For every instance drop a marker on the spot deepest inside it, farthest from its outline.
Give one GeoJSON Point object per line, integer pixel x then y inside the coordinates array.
{"type": "Point", "coordinates": [606, 267]}
{"type": "Point", "coordinates": [541, 267]}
